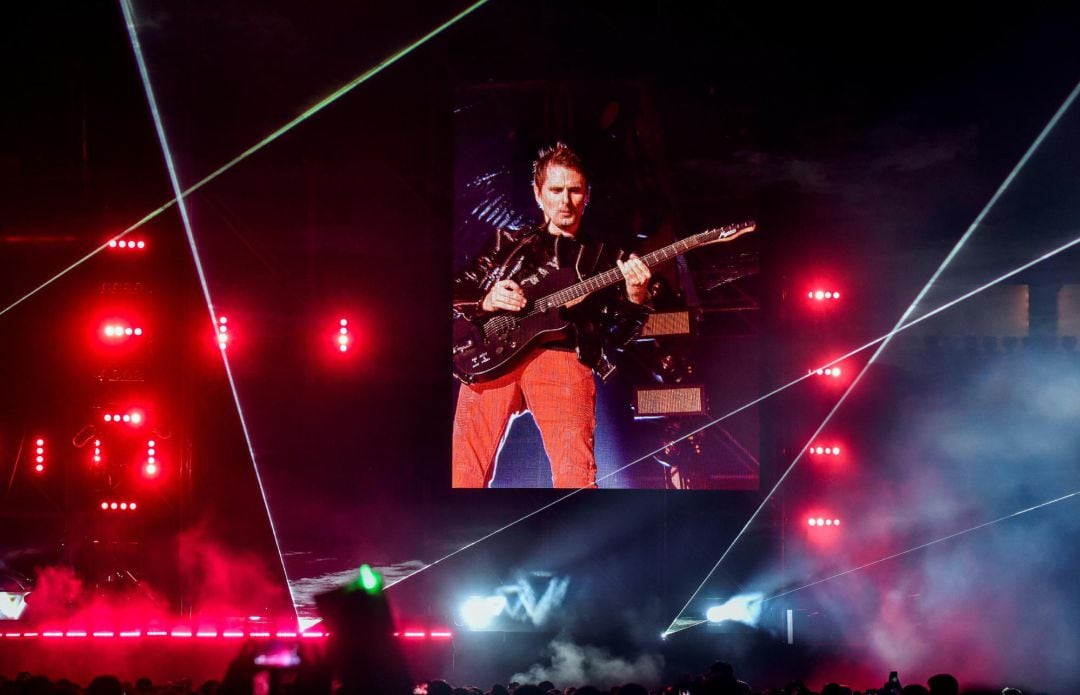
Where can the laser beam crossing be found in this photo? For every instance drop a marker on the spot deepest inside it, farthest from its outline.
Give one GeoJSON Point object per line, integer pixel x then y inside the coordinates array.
{"type": "Point", "coordinates": [174, 180]}
{"type": "Point", "coordinates": [1050, 125]}
{"type": "Point", "coordinates": [306, 114]}
{"type": "Point", "coordinates": [926, 545]}
{"type": "Point", "coordinates": [908, 551]}
{"type": "Point", "coordinates": [862, 348]}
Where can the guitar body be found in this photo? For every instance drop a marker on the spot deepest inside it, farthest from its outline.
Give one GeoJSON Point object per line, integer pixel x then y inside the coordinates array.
{"type": "Point", "coordinates": [486, 349]}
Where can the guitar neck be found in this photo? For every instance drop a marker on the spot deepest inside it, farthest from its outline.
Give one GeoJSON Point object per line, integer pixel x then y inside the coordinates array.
{"type": "Point", "coordinates": [614, 275]}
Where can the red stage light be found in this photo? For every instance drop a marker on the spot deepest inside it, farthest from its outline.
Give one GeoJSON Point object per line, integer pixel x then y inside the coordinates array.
{"type": "Point", "coordinates": [823, 295]}
{"type": "Point", "coordinates": [824, 450]}
{"type": "Point", "coordinates": [114, 505]}
{"type": "Point", "coordinates": [344, 337]}
{"type": "Point", "coordinates": [115, 331]}
{"type": "Point", "coordinates": [105, 505]}
{"type": "Point", "coordinates": [39, 454]}
{"type": "Point", "coordinates": [127, 245]}
{"type": "Point", "coordinates": [133, 416]}
{"type": "Point", "coordinates": [222, 332]}
{"type": "Point", "coordinates": [150, 469]}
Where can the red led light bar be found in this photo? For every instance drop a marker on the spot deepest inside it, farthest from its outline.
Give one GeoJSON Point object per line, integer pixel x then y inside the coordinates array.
{"type": "Point", "coordinates": [127, 245]}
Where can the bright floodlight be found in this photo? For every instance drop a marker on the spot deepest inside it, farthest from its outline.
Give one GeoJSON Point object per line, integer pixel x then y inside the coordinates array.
{"type": "Point", "coordinates": [12, 604]}
{"type": "Point", "coordinates": [744, 608]}
{"type": "Point", "coordinates": [479, 611]}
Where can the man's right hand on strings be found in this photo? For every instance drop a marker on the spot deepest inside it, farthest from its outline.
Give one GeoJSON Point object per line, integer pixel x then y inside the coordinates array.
{"type": "Point", "coordinates": [505, 295]}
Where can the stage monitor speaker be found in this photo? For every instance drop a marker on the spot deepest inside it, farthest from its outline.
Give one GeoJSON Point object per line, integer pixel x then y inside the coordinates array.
{"type": "Point", "coordinates": [677, 400]}
{"type": "Point", "coordinates": [666, 323]}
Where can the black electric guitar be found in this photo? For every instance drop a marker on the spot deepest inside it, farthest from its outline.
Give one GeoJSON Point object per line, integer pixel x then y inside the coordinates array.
{"type": "Point", "coordinates": [486, 348]}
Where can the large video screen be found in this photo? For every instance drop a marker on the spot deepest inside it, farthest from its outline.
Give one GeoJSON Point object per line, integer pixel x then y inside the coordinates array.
{"type": "Point", "coordinates": [593, 330]}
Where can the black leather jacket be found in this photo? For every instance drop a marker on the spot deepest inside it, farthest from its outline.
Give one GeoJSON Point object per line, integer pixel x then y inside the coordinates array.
{"type": "Point", "coordinates": [602, 325]}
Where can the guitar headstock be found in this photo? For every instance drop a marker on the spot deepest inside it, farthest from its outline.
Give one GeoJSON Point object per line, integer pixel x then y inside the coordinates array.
{"type": "Point", "coordinates": [728, 233]}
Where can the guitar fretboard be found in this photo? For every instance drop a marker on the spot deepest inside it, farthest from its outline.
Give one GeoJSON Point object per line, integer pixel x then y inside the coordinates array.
{"type": "Point", "coordinates": [614, 275]}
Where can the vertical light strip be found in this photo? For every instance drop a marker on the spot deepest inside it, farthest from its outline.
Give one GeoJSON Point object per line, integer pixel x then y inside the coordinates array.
{"type": "Point", "coordinates": [129, 20]}
{"type": "Point", "coordinates": [888, 337]}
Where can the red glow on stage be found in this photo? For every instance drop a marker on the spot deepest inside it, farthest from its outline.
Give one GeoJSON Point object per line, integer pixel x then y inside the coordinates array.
{"type": "Point", "coordinates": [181, 633]}
{"type": "Point", "coordinates": [822, 529]}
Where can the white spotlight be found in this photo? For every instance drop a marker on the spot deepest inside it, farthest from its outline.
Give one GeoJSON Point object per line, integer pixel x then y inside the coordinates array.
{"type": "Point", "coordinates": [744, 608]}
{"type": "Point", "coordinates": [479, 611]}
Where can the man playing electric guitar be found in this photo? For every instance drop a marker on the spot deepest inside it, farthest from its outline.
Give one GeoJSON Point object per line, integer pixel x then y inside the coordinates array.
{"type": "Point", "coordinates": [553, 380]}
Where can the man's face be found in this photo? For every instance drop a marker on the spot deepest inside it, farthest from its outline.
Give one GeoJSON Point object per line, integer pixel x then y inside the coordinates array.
{"type": "Point", "coordinates": [562, 198]}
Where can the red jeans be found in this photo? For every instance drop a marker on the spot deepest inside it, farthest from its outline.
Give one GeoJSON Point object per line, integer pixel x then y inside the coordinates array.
{"type": "Point", "coordinates": [560, 393]}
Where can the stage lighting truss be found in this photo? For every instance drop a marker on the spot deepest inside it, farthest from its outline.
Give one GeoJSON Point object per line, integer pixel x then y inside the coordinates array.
{"type": "Point", "coordinates": [222, 332]}
{"type": "Point", "coordinates": [128, 244]}
{"type": "Point", "coordinates": [39, 454]}
{"type": "Point", "coordinates": [343, 339]}
{"type": "Point", "coordinates": [118, 506]}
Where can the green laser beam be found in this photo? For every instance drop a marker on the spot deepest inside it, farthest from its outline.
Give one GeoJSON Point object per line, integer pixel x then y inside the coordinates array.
{"type": "Point", "coordinates": [303, 116]}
